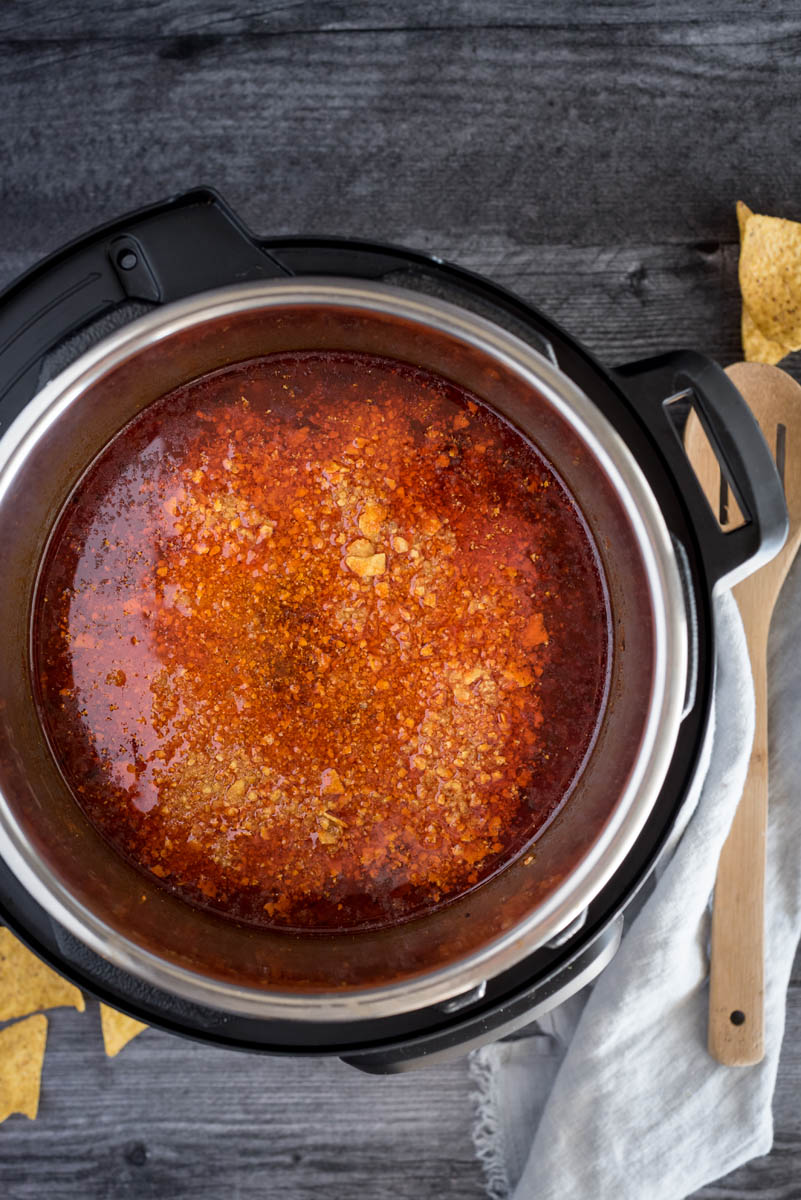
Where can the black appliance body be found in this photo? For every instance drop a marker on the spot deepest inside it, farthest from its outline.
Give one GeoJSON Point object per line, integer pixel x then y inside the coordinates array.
{"type": "Point", "coordinates": [194, 243]}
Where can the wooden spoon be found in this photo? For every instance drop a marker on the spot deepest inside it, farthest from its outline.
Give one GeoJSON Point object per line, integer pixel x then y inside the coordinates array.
{"type": "Point", "coordinates": [736, 981]}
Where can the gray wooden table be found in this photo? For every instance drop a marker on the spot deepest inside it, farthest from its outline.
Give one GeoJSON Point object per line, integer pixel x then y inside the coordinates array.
{"type": "Point", "coordinates": [587, 156]}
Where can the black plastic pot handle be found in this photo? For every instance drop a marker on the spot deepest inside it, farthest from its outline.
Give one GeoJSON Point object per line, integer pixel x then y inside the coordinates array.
{"type": "Point", "coordinates": [190, 243]}
{"type": "Point", "coordinates": [742, 451]}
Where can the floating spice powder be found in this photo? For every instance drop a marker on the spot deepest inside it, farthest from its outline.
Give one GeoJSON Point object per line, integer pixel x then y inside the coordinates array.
{"type": "Point", "coordinates": [321, 641]}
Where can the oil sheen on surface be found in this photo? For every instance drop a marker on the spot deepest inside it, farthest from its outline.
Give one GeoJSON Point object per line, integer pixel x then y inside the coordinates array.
{"type": "Point", "coordinates": [320, 641]}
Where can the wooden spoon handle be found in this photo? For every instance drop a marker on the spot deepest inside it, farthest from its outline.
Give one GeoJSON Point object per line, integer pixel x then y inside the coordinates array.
{"type": "Point", "coordinates": [736, 977]}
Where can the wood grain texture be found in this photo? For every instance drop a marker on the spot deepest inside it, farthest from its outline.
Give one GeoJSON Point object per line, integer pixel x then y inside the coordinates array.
{"type": "Point", "coordinates": [154, 18]}
{"type": "Point", "coordinates": [737, 962]}
{"type": "Point", "coordinates": [172, 1120]}
{"type": "Point", "coordinates": [587, 156]}
{"type": "Point", "coordinates": [554, 134]}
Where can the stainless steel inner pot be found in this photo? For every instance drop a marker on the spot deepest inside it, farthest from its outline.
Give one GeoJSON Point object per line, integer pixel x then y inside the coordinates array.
{"type": "Point", "coordinates": [134, 922]}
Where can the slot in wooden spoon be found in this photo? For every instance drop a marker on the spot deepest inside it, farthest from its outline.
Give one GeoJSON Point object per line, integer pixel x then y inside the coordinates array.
{"type": "Point", "coordinates": [736, 981]}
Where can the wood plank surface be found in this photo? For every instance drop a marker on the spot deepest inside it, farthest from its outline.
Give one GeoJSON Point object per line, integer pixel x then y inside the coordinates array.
{"type": "Point", "coordinates": [588, 157]}
{"type": "Point", "coordinates": [172, 1120]}
{"type": "Point", "coordinates": [558, 134]}
{"type": "Point", "coordinates": [77, 19]}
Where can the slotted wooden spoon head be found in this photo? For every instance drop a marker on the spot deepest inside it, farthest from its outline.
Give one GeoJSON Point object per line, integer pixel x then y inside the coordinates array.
{"type": "Point", "coordinates": [775, 400]}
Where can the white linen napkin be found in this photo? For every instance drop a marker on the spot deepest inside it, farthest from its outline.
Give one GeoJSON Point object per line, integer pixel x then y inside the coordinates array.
{"type": "Point", "coordinates": [616, 1095]}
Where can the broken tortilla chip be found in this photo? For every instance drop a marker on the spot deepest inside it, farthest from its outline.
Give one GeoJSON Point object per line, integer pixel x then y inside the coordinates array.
{"type": "Point", "coordinates": [28, 985]}
{"type": "Point", "coordinates": [743, 213]}
{"type": "Point", "coordinates": [117, 1029]}
{"type": "Point", "coordinates": [770, 284]}
{"type": "Point", "coordinates": [22, 1048]}
{"type": "Point", "coordinates": [758, 348]}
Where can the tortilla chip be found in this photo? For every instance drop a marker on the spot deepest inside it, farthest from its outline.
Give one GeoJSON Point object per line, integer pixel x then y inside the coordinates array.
{"type": "Point", "coordinates": [770, 283]}
{"type": "Point", "coordinates": [28, 985]}
{"type": "Point", "coordinates": [743, 213]}
{"type": "Point", "coordinates": [117, 1029]}
{"type": "Point", "coordinates": [22, 1048]}
{"type": "Point", "coordinates": [758, 348]}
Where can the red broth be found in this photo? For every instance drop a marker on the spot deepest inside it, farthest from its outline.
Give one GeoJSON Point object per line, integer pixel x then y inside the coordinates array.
{"type": "Point", "coordinates": [320, 641]}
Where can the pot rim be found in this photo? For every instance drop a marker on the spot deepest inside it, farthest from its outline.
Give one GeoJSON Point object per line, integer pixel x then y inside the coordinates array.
{"type": "Point", "coordinates": [582, 885]}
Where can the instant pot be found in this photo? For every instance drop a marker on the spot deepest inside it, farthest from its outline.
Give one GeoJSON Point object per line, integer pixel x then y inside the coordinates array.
{"type": "Point", "coordinates": [120, 317]}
